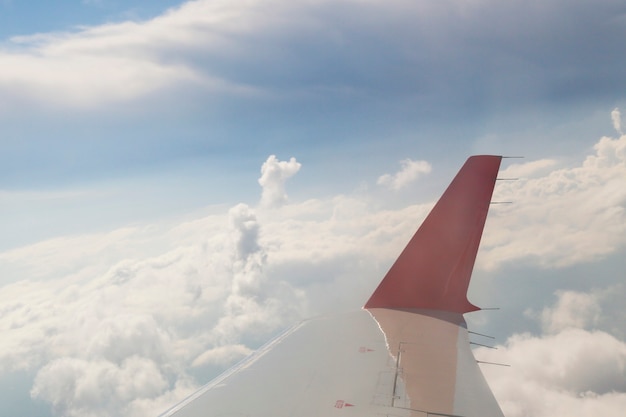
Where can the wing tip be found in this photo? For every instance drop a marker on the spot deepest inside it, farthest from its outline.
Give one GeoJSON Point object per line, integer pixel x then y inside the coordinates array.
{"type": "Point", "coordinates": [434, 270]}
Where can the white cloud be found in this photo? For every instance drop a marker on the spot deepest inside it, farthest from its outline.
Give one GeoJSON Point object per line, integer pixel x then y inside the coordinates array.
{"type": "Point", "coordinates": [573, 373]}
{"type": "Point", "coordinates": [573, 309]}
{"type": "Point", "coordinates": [246, 226]}
{"type": "Point", "coordinates": [274, 174]}
{"type": "Point", "coordinates": [617, 120]}
{"type": "Point", "coordinates": [115, 62]}
{"type": "Point", "coordinates": [98, 327]}
{"type": "Point", "coordinates": [409, 172]}
{"type": "Point", "coordinates": [222, 355]}
{"type": "Point", "coordinates": [75, 387]}
{"type": "Point", "coordinates": [86, 80]}
{"type": "Point", "coordinates": [567, 371]}
{"type": "Point", "coordinates": [98, 308]}
{"type": "Point", "coordinates": [528, 169]}
{"type": "Point", "coordinates": [562, 216]}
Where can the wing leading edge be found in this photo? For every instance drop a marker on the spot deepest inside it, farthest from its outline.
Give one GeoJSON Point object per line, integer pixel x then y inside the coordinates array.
{"type": "Point", "coordinates": [406, 354]}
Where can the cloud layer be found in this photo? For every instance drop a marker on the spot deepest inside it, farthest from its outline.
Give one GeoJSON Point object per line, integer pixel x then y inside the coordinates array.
{"type": "Point", "coordinates": [141, 315]}
{"type": "Point", "coordinates": [240, 48]}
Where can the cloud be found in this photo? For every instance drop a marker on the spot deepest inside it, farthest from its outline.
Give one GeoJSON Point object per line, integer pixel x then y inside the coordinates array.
{"type": "Point", "coordinates": [339, 70]}
{"type": "Point", "coordinates": [299, 49]}
{"type": "Point", "coordinates": [222, 355]}
{"type": "Point", "coordinates": [528, 169]}
{"type": "Point", "coordinates": [274, 174]}
{"type": "Point", "coordinates": [130, 332]}
{"type": "Point", "coordinates": [113, 62]}
{"type": "Point", "coordinates": [73, 386]}
{"type": "Point", "coordinates": [175, 303]}
{"type": "Point", "coordinates": [573, 373]}
{"type": "Point", "coordinates": [573, 310]}
{"type": "Point", "coordinates": [409, 172]}
{"type": "Point", "coordinates": [617, 120]}
{"type": "Point", "coordinates": [574, 369]}
{"type": "Point", "coordinates": [561, 216]}
{"type": "Point", "coordinates": [246, 226]}
{"type": "Point", "coordinates": [204, 293]}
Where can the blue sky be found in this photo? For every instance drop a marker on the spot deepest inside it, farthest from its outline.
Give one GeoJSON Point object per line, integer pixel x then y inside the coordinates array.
{"type": "Point", "coordinates": [133, 132]}
{"type": "Point", "coordinates": [20, 18]}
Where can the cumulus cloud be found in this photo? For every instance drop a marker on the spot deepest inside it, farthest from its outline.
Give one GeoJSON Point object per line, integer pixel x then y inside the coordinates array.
{"type": "Point", "coordinates": [204, 293]}
{"type": "Point", "coordinates": [574, 369]}
{"type": "Point", "coordinates": [560, 216]}
{"type": "Point", "coordinates": [255, 303]}
{"type": "Point", "coordinates": [573, 309]}
{"type": "Point", "coordinates": [274, 174]}
{"type": "Point", "coordinates": [409, 172]}
{"type": "Point", "coordinates": [246, 227]}
{"type": "Point", "coordinates": [573, 373]}
{"type": "Point", "coordinates": [130, 332]}
{"type": "Point", "coordinates": [74, 386]}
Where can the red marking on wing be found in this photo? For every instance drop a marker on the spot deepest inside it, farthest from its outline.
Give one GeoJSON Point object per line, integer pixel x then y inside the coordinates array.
{"type": "Point", "coordinates": [434, 270]}
{"type": "Point", "coordinates": [342, 403]}
{"type": "Point", "coordinates": [363, 349]}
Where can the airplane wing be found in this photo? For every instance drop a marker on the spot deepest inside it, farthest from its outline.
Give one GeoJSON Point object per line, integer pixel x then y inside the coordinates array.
{"type": "Point", "coordinates": [405, 354]}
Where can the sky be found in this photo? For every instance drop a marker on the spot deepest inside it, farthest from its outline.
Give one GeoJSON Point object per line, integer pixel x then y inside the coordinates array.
{"type": "Point", "coordinates": [179, 182]}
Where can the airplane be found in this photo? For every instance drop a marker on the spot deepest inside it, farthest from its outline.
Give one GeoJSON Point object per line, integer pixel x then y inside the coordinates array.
{"type": "Point", "coordinates": [406, 353]}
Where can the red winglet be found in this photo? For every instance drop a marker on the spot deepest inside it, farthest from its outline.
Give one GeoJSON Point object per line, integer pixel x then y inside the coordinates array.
{"type": "Point", "coordinates": [434, 270]}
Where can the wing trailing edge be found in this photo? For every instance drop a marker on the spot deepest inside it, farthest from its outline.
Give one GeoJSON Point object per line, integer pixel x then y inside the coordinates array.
{"type": "Point", "coordinates": [434, 270]}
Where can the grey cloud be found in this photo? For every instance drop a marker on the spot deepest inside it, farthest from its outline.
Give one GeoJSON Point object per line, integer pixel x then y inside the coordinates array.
{"type": "Point", "coordinates": [462, 52]}
{"type": "Point", "coordinates": [446, 52]}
